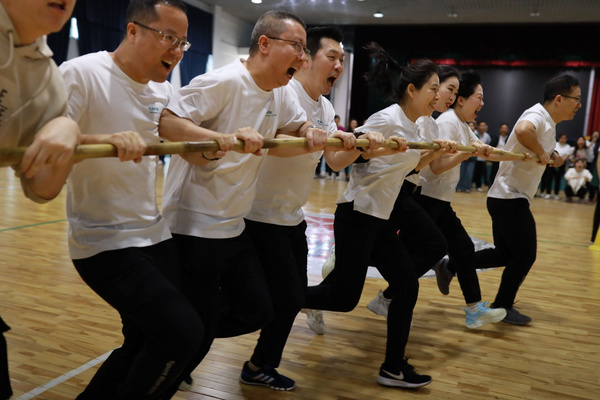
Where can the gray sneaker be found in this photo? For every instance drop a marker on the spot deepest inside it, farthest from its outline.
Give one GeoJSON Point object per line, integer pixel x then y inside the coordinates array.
{"type": "Point", "coordinates": [514, 317]}
{"type": "Point", "coordinates": [443, 275]}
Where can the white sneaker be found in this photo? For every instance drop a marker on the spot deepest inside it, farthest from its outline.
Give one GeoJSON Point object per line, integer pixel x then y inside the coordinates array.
{"type": "Point", "coordinates": [546, 196]}
{"type": "Point", "coordinates": [556, 197]}
{"type": "Point", "coordinates": [329, 264]}
{"type": "Point", "coordinates": [314, 319]}
{"type": "Point", "coordinates": [483, 315]}
{"type": "Point", "coordinates": [379, 305]}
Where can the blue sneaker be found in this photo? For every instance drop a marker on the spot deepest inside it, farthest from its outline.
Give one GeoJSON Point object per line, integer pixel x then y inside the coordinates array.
{"type": "Point", "coordinates": [483, 315]}
{"type": "Point", "coordinates": [266, 376]}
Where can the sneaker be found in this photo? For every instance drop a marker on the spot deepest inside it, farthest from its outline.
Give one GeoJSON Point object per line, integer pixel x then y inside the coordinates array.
{"type": "Point", "coordinates": [443, 275]}
{"type": "Point", "coordinates": [546, 196]}
{"type": "Point", "coordinates": [379, 305]}
{"type": "Point", "coordinates": [514, 317]}
{"type": "Point", "coordinates": [314, 319]}
{"type": "Point", "coordinates": [405, 377]}
{"type": "Point", "coordinates": [266, 376]}
{"type": "Point", "coordinates": [556, 197]}
{"type": "Point", "coordinates": [479, 189]}
{"type": "Point", "coordinates": [483, 315]}
{"type": "Point", "coordinates": [329, 264]}
{"type": "Point", "coordinates": [186, 384]}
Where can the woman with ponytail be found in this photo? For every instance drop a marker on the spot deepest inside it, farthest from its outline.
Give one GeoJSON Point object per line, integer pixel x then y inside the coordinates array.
{"type": "Point", "coordinates": [362, 228]}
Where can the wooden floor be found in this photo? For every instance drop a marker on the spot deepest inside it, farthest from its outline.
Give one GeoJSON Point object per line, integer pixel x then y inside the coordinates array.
{"type": "Point", "coordinates": [60, 328]}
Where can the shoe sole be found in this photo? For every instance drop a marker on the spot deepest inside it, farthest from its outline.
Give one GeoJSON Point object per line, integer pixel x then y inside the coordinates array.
{"type": "Point", "coordinates": [266, 385]}
{"type": "Point", "coordinates": [388, 382]}
{"type": "Point", "coordinates": [184, 386]}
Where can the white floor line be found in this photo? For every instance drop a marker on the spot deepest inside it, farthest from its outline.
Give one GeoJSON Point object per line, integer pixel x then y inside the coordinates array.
{"type": "Point", "coordinates": [41, 389]}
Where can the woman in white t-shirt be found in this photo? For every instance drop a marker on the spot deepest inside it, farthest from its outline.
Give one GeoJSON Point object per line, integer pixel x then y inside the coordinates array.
{"type": "Point", "coordinates": [362, 229]}
{"type": "Point", "coordinates": [439, 183]}
{"type": "Point", "coordinates": [553, 175]}
{"type": "Point", "coordinates": [578, 179]}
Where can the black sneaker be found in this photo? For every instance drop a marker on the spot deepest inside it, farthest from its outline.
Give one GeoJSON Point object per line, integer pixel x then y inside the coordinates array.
{"type": "Point", "coordinates": [405, 377]}
{"type": "Point", "coordinates": [443, 275]}
{"type": "Point", "coordinates": [186, 384]}
{"type": "Point", "coordinates": [514, 317]}
{"type": "Point", "coordinates": [266, 376]}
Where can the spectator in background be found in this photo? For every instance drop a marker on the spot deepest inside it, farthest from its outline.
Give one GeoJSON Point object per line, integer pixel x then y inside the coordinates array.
{"type": "Point", "coordinates": [498, 141]}
{"type": "Point", "coordinates": [480, 172]}
{"type": "Point", "coordinates": [466, 169]}
{"type": "Point", "coordinates": [331, 174]}
{"type": "Point", "coordinates": [553, 175]}
{"type": "Point", "coordinates": [594, 148]}
{"type": "Point", "coordinates": [580, 151]}
{"type": "Point", "coordinates": [578, 179]}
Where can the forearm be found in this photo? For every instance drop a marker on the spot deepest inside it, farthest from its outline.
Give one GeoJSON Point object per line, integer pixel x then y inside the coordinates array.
{"type": "Point", "coordinates": [338, 160]}
{"type": "Point", "coordinates": [177, 129]}
{"type": "Point", "coordinates": [447, 162]}
{"type": "Point", "coordinates": [48, 182]}
{"type": "Point", "coordinates": [427, 156]}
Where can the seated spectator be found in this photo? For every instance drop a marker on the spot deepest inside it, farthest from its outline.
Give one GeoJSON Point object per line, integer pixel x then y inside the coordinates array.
{"type": "Point", "coordinates": [578, 179]}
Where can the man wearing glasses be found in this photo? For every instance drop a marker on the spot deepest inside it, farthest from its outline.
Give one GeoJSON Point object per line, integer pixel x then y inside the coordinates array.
{"type": "Point", "coordinates": [208, 195]}
{"type": "Point", "coordinates": [118, 241]}
{"type": "Point", "coordinates": [515, 185]}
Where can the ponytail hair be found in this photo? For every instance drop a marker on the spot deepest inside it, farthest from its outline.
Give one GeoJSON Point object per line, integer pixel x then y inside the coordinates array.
{"type": "Point", "coordinates": [391, 79]}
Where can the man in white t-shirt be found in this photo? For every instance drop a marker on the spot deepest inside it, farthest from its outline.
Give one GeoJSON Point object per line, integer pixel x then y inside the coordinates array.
{"type": "Point", "coordinates": [276, 221]}
{"type": "Point", "coordinates": [207, 196]}
{"type": "Point", "coordinates": [32, 104]}
{"type": "Point", "coordinates": [515, 185]}
{"type": "Point", "coordinates": [118, 240]}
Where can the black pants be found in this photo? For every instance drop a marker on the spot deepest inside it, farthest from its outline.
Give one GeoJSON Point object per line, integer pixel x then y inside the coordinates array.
{"type": "Point", "coordinates": [5, 390]}
{"type": "Point", "coordinates": [480, 174]}
{"type": "Point", "coordinates": [515, 239]}
{"type": "Point", "coordinates": [283, 253]}
{"type": "Point", "coordinates": [552, 176]}
{"type": "Point", "coordinates": [596, 222]}
{"type": "Point", "coordinates": [359, 239]}
{"type": "Point", "coordinates": [419, 233]}
{"type": "Point", "coordinates": [580, 193]}
{"type": "Point", "coordinates": [460, 245]}
{"type": "Point", "coordinates": [224, 281]}
{"type": "Point", "coordinates": [160, 327]}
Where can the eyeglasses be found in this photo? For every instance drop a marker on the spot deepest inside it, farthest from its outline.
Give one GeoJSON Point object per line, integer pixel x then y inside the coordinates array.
{"type": "Point", "coordinates": [171, 40]}
{"type": "Point", "coordinates": [578, 99]}
{"type": "Point", "coordinates": [298, 47]}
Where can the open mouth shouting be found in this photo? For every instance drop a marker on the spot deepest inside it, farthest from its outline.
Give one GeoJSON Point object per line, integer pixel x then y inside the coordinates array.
{"type": "Point", "coordinates": [291, 71]}
{"type": "Point", "coordinates": [58, 4]}
{"type": "Point", "coordinates": [168, 64]}
{"type": "Point", "coordinates": [331, 80]}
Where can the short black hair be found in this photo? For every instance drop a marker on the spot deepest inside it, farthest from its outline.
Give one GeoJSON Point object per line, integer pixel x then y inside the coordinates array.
{"type": "Point", "coordinates": [271, 24]}
{"type": "Point", "coordinates": [145, 10]}
{"type": "Point", "coordinates": [561, 84]}
{"type": "Point", "coordinates": [315, 34]}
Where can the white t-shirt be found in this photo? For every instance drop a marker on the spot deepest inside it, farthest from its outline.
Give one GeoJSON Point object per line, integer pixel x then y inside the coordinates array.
{"type": "Point", "coordinates": [284, 183]}
{"type": "Point", "coordinates": [577, 179]}
{"type": "Point", "coordinates": [443, 186]}
{"type": "Point", "coordinates": [32, 92]}
{"type": "Point", "coordinates": [564, 150]}
{"type": "Point", "coordinates": [111, 204]}
{"type": "Point", "coordinates": [210, 201]}
{"type": "Point", "coordinates": [518, 179]}
{"type": "Point", "coordinates": [375, 185]}
{"type": "Point", "coordinates": [428, 131]}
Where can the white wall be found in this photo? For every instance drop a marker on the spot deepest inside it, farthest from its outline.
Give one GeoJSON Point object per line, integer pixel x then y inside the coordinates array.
{"type": "Point", "coordinates": [340, 95]}
{"type": "Point", "coordinates": [231, 37]}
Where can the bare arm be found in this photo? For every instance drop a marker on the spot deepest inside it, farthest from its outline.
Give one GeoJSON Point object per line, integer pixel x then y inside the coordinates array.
{"type": "Point", "coordinates": [526, 135]}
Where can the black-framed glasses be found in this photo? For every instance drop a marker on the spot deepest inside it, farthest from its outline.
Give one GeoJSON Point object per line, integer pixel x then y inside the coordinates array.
{"type": "Point", "coordinates": [578, 99]}
{"type": "Point", "coordinates": [298, 46]}
{"type": "Point", "coordinates": [171, 40]}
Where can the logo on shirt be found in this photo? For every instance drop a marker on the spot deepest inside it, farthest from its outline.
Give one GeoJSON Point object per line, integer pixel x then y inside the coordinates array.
{"type": "Point", "coordinates": [154, 110]}
{"type": "Point", "coordinates": [270, 114]}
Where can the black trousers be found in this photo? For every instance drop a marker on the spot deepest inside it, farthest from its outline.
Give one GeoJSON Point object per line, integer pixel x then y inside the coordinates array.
{"type": "Point", "coordinates": [460, 245]}
{"type": "Point", "coordinates": [161, 329]}
{"type": "Point", "coordinates": [419, 233]}
{"type": "Point", "coordinates": [5, 389]}
{"type": "Point", "coordinates": [359, 239]}
{"type": "Point", "coordinates": [283, 255]}
{"type": "Point", "coordinates": [224, 281]}
{"type": "Point", "coordinates": [596, 222]}
{"type": "Point", "coordinates": [515, 239]}
{"type": "Point", "coordinates": [580, 193]}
